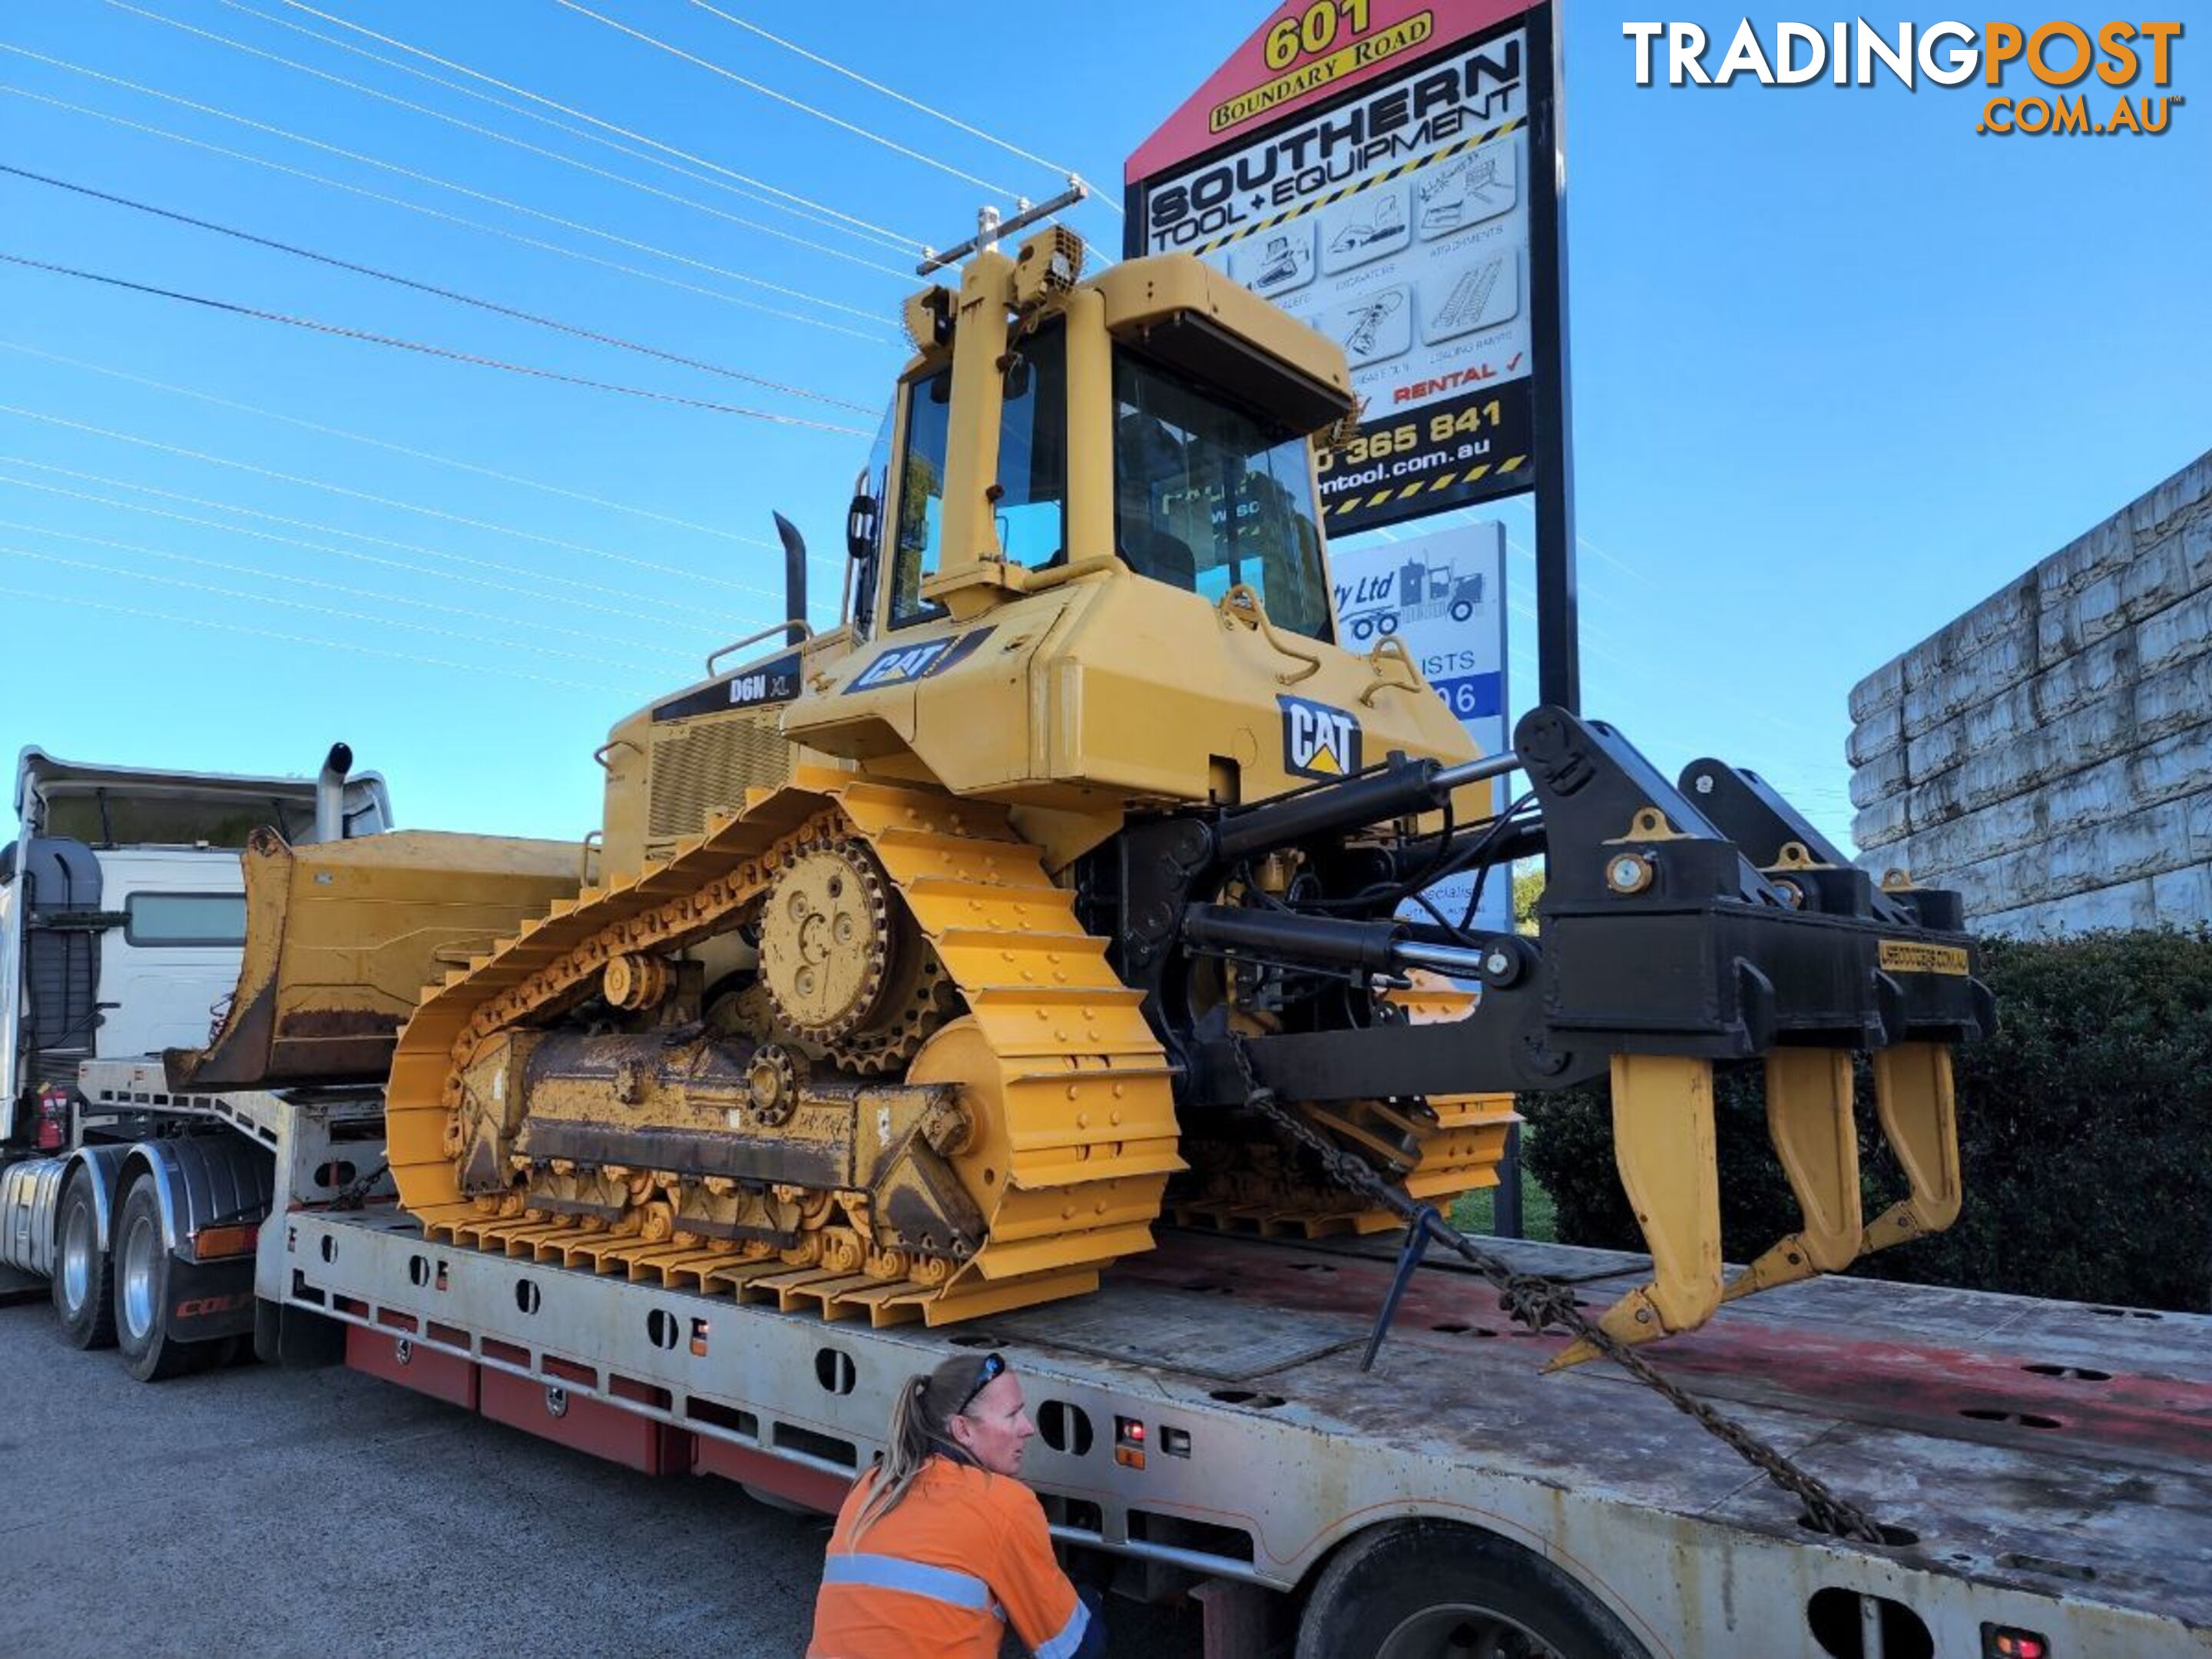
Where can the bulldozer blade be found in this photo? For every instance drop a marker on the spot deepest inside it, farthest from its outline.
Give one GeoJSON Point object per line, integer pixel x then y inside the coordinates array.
{"type": "Point", "coordinates": [1918, 1110]}
{"type": "Point", "coordinates": [1662, 1141]}
{"type": "Point", "coordinates": [1808, 1118]}
{"type": "Point", "coordinates": [341, 937]}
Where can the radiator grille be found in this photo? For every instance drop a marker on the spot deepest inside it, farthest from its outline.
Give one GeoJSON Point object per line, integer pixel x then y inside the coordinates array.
{"type": "Point", "coordinates": [707, 767]}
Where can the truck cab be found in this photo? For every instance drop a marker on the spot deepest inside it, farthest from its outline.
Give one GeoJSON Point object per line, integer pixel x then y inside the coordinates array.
{"type": "Point", "coordinates": [123, 912]}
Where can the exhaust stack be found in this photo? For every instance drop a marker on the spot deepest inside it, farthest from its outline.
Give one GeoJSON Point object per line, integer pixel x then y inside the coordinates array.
{"type": "Point", "coordinates": [330, 793]}
{"type": "Point", "coordinates": [795, 574]}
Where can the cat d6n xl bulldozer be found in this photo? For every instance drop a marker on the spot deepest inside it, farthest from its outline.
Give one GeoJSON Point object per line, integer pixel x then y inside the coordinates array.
{"type": "Point", "coordinates": [936, 957]}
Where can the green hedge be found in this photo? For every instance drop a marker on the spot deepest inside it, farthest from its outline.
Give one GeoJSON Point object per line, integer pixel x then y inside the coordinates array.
{"type": "Point", "coordinates": [2085, 1129]}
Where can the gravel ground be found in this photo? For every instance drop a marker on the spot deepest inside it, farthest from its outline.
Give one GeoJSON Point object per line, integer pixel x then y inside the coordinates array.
{"type": "Point", "coordinates": [253, 1512]}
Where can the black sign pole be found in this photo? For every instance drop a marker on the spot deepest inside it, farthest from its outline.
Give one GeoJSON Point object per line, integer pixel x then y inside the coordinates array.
{"type": "Point", "coordinates": [1558, 661]}
{"type": "Point", "coordinates": [1558, 655]}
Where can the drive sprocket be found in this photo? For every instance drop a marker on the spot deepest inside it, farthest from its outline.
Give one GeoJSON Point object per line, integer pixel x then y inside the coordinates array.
{"type": "Point", "coordinates": [828, 935]}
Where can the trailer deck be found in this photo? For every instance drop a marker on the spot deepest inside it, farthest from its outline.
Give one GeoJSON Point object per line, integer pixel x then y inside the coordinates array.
{"type": "Point", "coordinates": [2043, 1466]}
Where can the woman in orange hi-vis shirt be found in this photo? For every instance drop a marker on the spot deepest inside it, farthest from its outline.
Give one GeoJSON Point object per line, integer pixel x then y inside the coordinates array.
{"type": "Point", "coordinates": [940, 1547]}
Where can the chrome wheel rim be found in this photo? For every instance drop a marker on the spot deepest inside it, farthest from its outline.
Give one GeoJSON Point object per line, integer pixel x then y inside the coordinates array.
{"type": "Point", "coordinates": [1463, 1633]}
{"type": "Point", "coordinates": [78, 1249]}
{"type": "Point", "coordinates": [139, 1251]}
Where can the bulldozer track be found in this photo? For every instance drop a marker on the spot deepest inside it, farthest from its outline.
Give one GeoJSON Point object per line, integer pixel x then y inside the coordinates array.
{"type": "Point", "coordinates": [1459, 1152]}
{"type": "Point", "coordinates": [1070, 1091]}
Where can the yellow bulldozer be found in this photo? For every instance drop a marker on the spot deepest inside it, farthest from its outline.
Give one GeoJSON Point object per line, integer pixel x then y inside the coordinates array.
{"type": "Point", "coordinates": [935, 957]}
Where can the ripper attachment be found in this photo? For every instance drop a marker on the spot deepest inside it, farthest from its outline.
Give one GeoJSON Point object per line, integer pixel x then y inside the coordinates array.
{"type": "Point", "coordinates": [1682, 926]}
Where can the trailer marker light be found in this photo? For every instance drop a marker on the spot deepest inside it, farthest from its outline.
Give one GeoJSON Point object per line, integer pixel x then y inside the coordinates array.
{"type": "Point", "coordinates": [2005, 1642]}
{"type": "Point", "coordinates": [699, 1338]}
{"type": "Point", "coordinates": [210, 1243]}
{"type": "Point", "coordinates": [1129, 1443]}
{"type": "Point", "coordinates": [1175, 1443]}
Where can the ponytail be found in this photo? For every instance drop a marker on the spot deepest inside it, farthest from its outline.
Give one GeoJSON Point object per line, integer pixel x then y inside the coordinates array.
{"type": "Point", "coordinates": [926, 1402]}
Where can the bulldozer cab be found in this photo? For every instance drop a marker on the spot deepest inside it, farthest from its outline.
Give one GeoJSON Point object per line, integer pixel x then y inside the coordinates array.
{"type": "Point", "coordinates": [1111, 442]}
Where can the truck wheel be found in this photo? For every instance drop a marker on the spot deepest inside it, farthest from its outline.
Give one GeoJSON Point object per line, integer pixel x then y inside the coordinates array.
{"type": "Point", "coordinates": [84, 1275]}
{"type": "Point", "coordinates": [1425, 1589]}
{"type": "Point", "coordinates": [141, 1289]}
{"type": "Point", "coordinates": [1461, 610]}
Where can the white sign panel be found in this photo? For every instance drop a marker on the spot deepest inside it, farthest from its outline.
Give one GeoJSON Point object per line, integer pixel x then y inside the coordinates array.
{"type": "Point", "coordinates": [1395, 222]}
{"type": "Point", "coordinates": [1442, 597]}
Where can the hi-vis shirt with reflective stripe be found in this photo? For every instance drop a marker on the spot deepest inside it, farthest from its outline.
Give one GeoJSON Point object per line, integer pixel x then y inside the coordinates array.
{"type": "Point", "coordinates": [964, 1555]}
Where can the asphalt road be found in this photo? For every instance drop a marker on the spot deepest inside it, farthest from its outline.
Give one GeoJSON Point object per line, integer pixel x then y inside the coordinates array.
{"type": "Point", "coordinates": [253, 1512]}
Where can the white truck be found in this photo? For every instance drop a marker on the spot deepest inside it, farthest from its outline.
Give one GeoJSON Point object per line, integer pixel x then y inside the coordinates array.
{"type": "Point", "coordinates": [2042, 1471]}
{"type": "Point", "coordinates": [122, 919]}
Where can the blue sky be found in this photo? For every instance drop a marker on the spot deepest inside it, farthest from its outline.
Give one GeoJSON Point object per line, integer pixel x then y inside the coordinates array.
{"type": "Point", "coordinates": [1841, 366]}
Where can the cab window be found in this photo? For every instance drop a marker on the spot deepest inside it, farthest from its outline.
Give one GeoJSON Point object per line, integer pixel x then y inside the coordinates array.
{"type": "Point", "coordinates": [1208, 496]}
{"type": "Point", "coordinates": [184, 919]}
{"type": "Point", "coordinates": [1030, 515]}
{"type": "Point", "coordinates": [921, 497]}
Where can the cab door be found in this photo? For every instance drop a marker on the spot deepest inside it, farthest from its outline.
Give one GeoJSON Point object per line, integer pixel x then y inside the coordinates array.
{"type": "Point", "coordinates": [174, 954]}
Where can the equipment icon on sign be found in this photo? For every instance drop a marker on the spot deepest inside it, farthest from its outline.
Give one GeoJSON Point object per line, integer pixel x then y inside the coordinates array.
{"type": "Point", "coordinates": [1426, 589]}
{"type": "Point", "coordinates": [1376, 325]}
{"type": "Point", "coordinates": [1469, 190]}
{"type": "Point", "coordinates": [1370, 226]}
{"type": "Point", "coordinates": [1480, 296]}
{"type": "Point", "coordinates": [1277, 261]}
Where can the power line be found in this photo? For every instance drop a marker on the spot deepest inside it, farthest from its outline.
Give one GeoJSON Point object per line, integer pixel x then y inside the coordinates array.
{"type": "Point", "coordinates": [888, 92]}
{"type": "Point", "coordinates": [895, 239]}
{"type": "Point", "coordinates": [749, 190]}
{"type": "Point", "coordinates": [288, 605]}
{"type": "Point", "coordinates": [369, 338]}
{"type": "Point", "coordinates": [296, 638]}
{"type": "Point", "coordinates": [1619, 563]}
{"type": "Point", "coordinates": [477, 194]}
{"type": "Point", "coordinates": [495, 136]}
{"type": "Point", "coordinates": [411, 507]}
{"type": "Point", "coordinates": [390, 447]}
{"type": "Point", "coordinates": [432, 288]}
{"type": "Point", "coordinates": [381, 541]}
{"type": "Point", "coordinates": [692, 620]}
{"type": "Point", "coordinates": [439, 214]}
{"type": "Point", "coordinates": [1597, 594]}
{"type": "Point", "coordinates": [1584, 625]}
{"type": "Point", "coordinates": [781, 98]}
{"type": "Point", "coordinates": [598, 634]}
{"type": "Point", "coordinates": [303, 581]}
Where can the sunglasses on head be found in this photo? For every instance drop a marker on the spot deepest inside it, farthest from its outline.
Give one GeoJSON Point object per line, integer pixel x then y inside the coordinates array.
{"type": "Point", "coordinates": [994, 1367]}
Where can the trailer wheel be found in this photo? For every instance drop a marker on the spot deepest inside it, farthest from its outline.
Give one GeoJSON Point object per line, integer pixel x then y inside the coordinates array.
{"type": "Point", "coordinates": [141, 1289]}
{"type": "Point", "coordinates": [1428, 1589]}
{"type": "Point", "coordinates": [84, 1275]}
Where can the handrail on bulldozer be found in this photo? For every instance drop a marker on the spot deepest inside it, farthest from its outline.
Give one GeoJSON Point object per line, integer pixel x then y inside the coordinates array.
{"type": "Point", "coordinates": [805, 632]}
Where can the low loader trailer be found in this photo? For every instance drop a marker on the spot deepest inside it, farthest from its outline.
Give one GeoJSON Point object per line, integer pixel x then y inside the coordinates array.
{"type": "Point", "coordinates": [2040, 1469]}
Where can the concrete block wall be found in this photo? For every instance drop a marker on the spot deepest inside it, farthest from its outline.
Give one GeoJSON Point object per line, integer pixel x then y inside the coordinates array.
{"type": "Point", "coordinates": [2050, 752]}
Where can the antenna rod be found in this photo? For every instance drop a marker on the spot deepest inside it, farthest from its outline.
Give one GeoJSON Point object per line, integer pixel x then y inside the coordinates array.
{"type": "Point", "coordinates": [1076, 191]}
